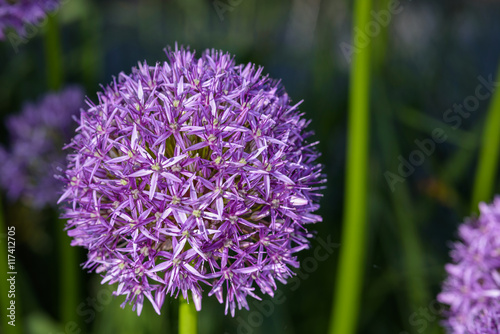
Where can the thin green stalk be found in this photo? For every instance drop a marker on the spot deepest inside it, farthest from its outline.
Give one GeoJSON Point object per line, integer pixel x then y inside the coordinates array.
{"type": "Point", "coordinates": [69, 270]}
{"type": "Point", "coordinates": [91, 50]}
{"type": "Point", "coordinates": [188, 317]}
{"type": "Point", "coordinates": [53, 54]}
{"type": "Point", "coordinates": [414, 279]}
{"type": "Point", "coordinates": [5, 300]}
{"type": "Point", "coordinates": [411, 247]}
{"type": "Point", "coordinates": [349, 282]}
{"type": "Point", "coordinates": [413, 118]}
{"type": "Point", "coordinates": [488, 154]}
{"type": "Point", "coordinates": [68, 257]}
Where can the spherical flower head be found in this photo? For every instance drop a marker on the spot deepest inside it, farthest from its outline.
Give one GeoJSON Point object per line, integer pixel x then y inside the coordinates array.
{"type": "Point", "coordinates": [16, 14]}
{"type": "Point", "coordinates": [37, 137]}
{"type": "Point", "coordinates": [472, 289]}
{"type": "Point", "coordinates": [193, 172]}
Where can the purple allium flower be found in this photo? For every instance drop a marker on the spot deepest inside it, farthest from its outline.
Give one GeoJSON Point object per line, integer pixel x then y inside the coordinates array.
{"type": "Point", "coordinates": [472, 289]}
{"type": "Point", "coordinates": [195, 170]}
{"type": "Point", "coordinates": [37, 136]}
{"type": "Point", "coordinates": [17, 14]}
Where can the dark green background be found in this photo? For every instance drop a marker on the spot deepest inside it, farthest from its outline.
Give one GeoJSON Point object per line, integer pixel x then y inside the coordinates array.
{"type": "Point", "coordinates": [427, 59]}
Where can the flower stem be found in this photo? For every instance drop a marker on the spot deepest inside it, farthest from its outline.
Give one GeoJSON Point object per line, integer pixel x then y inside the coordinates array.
{"type": "Point", "coordinates": [349, 281]}
{"type": "Point", "coordinates": [188, 317]}
{"type": "Point", "coordinates": [91, 51]}
{"type": "Point", "coordinates": [488, 154]}
{"type": "Point", "coordinates": [5, 285]}
{"type": "Point", "coordinates": [413, 264]}
{"type": "Point", "coordinates": [53, 54]}
{"type": "Point", "coordinates": [411, 249]}
{"type": "Point", "coordinates": [69, 270]}
{"type": "Point", "coordinates": [68, 255]}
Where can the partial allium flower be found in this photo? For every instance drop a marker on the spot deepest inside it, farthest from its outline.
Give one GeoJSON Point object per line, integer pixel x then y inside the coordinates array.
{"type": "Point", "coordinates": [472, 289]}
{"type": "Point", "coordinates": [17, 14]}
{"type": "Point", "coordinates": [195, 170]}
{"type": "Point", "coordinates": [37, 137]}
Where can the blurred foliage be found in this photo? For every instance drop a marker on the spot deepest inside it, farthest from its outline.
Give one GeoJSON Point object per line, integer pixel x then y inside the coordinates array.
{"type": "Point", "coordinates": [427, 59]}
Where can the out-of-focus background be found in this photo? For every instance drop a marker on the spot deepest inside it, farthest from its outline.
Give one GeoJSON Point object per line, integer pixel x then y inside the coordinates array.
{"type": "Point", "coordinates": [428, 58]}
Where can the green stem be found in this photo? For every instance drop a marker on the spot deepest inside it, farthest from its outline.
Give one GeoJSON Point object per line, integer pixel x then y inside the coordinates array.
{"type": "Point", "coordinates": [91, 51]}
{"type": "Point", "coordinates": [411, 248]}
{"type": "Point", "coordinates": [412, 253]}
{"type": "Point", "coordinates": [5, 285]}
{"type": "Point", "coordinates": [488, 155]}
{"type": "Point", "coordinates": [53, 54]}
{"type": "Point", "coordinates": [69, 271]}
{"type": "Point", "coordinates": [188, 317]}
{"type": "Point", "coordinates": [349, 282]}
{"type": "Point", "coordinates": [68, 255]}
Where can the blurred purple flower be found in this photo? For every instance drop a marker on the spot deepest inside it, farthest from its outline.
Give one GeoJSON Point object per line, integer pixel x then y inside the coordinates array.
{"type": "Point", "coordinates": [472, 289]}
{"type": "Point", "coordinates": [37, 136]}
{"type": "Point", "coordinates": [16, 14]}
{"type": "Point", "coordinates": [195, 170]}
